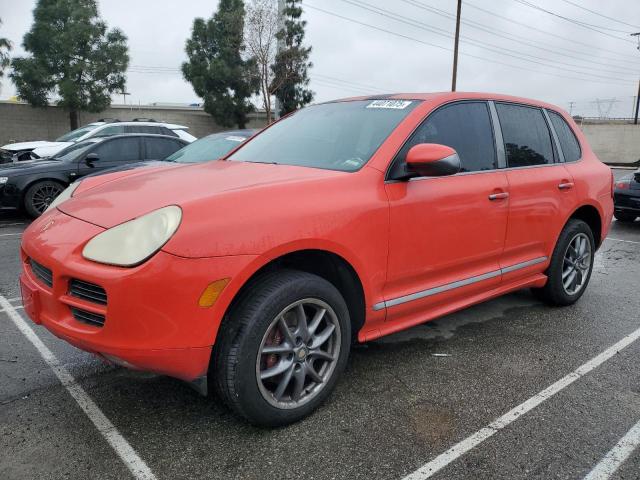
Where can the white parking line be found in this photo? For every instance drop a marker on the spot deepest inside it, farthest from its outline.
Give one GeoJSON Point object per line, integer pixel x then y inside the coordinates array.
{"type": "Point", "coordinates": [17, 307]}
{"type": "Point", "coordinates": [10, 224]}
{"type": "Point", "coordinates": [127, 454]}
{"type": "Point", "coordinates": [511, 416]}
{"type": "Point", "coordinates": [620, 240]}
{"type": "Point", "coordinates": [10, 234]}
{"type": "Point", "coordinates": [617, 455]}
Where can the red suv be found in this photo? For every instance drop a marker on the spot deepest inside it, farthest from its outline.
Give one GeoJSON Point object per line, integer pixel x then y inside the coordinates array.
{"type": "Point", "coordinates": [342, 222]}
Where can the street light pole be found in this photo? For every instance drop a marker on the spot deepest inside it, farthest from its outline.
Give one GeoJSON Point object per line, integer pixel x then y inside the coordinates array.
{"type": "Point", "coordinates": [635, 118]}
{"type": "Point", "coordinates": [455, 48]}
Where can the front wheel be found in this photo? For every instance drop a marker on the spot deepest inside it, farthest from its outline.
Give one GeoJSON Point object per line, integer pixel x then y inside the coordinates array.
{"type": "Point", "coordinates": [571, 265]}
{"type": "Point", "coordinates": [40, 195]}
{"type": "Point", "coordinates": [280, 352]}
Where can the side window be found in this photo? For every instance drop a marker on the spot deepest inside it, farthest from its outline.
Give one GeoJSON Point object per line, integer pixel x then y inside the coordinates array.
{"type": "Point", "coordinates": [568, 141]}
{"type": "Point", "coordinates": [144, 129]}
{"type": "Point", "coordinates": [110, 131]}
{"type": "Point", "coordinates": [118, 150]}
{"type": "Point", "coordinates": [465, 127]}
{"type": "Point", "coordinates": [527, 139]}
{"type": "Point", "coordinates": [160, 148]}
{"type": "Point", "coordinates": [168, 131]}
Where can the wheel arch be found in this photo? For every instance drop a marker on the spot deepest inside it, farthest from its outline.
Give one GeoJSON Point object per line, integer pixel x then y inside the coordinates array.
{"type": "Point", "coordinates": [323, 262]}
{"type": "Point", "coordinates": [591, 216]}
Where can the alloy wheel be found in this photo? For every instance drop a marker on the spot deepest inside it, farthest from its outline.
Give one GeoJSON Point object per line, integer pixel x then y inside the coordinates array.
{"type": "Point", "coordinates": [44, 195]}
{"type": "Point", "coordinates": [576, 265]}
{"type": "Point", "coordinates": [298, 353]}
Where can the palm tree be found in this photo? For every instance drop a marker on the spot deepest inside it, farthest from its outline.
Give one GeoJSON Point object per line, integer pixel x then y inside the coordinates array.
{"type": "Point", "coordinates": [5, 48]}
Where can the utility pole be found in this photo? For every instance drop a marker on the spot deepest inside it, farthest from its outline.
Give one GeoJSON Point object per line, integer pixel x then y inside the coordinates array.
{"type": "Point", "coordinates": [571, 108]}
{"type": "Point", "coordinates": [455, 48]}
{"type": "Point", "coordinates": [279, 48]}
{"type": "Point", "coordinates": [635, 118]}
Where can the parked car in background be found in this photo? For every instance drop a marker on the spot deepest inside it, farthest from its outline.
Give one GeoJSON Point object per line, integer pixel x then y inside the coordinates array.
{"type": "Point", "coordinates": [33, 185]}
{"type": "Point", "coordinates": [344, 221]}
{"type": "Point", "coordinates": [103, 128]}
{"type": "Point", "coordinates": [627, 197]}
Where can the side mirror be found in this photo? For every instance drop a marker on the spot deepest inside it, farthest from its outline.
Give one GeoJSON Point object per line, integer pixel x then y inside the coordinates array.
{"type": "Point", "coordinates": [89, 159]}
{"type": "Point", "coordinates": [432, 160]}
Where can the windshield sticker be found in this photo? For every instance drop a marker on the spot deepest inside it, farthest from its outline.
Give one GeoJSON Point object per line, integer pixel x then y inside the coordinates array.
{"type": "Point", "coordinates": [392, 104]}
{"type": "Point", "coordinates": [235, 139]}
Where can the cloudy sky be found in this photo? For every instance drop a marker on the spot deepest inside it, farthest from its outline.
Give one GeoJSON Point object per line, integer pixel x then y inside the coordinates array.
{"type": "Point", "coordinates": [366, 46]}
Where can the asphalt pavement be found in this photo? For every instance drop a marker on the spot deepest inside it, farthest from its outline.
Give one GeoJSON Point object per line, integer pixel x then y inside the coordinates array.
{"type": "Point", "coordinates": [422, 402]}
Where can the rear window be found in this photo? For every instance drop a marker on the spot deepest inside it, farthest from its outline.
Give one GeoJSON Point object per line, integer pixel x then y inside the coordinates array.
{"type": "Point", "coordinates": [568, 141]}
{"type": "Point", "coordinates": [527, 139]}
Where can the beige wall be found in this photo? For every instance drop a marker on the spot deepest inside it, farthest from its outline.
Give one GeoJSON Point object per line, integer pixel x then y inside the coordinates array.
{"type": "Point", "coordinates": [614, 143]}
{"type": "Point", "coordinates": [20, 122]}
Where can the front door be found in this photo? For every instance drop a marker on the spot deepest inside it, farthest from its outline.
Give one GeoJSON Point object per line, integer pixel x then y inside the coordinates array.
{"type": "Point", "coordinates": [447, 233]}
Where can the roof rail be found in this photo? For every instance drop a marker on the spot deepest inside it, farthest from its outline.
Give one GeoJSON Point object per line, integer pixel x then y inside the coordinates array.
{"type": "Point", "coordinates": [143, 120]}
{"type": "Point", "coordinates": [108, 120]}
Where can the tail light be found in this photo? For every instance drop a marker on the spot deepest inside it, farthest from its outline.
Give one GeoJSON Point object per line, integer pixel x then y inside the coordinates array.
{"type": "Point", "coordinates": [623, 185]}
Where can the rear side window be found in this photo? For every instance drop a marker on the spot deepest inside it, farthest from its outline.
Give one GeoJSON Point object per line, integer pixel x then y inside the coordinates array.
{"type": "Point", "coordinates": [110, 131]}
{"type": "Point", "coordinates": [118, 150]}
{"type": "Point", "coordinates": [465, 127]}
{"type": "Point", "coordinates": [568, 141]}
{"type": "Point", "coordinates": [160, 148]}
{"type": "Point", "coordinates": [146, 129]}
{"type": "Point", "coordinates": [527, 140]}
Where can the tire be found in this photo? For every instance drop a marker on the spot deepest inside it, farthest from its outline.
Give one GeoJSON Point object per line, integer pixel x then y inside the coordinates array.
{"type": "Point", "coordinates": [243, 374]}
{"type": "Point", "coordinates": [40, 195]}
{"type": "Point", "coordinates": [555, 292]}
{"type": "Point", "coordinates": [625, 216]}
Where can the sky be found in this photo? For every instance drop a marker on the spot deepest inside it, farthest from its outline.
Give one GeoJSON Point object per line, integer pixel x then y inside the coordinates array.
{"type": "Point", "coordinates": [361, 47]}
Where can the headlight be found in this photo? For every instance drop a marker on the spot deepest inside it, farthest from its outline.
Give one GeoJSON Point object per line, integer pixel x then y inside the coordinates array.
{"type": "Point", "coordinates": [131, 243]}
{"type": "Point", "coordinates": [3, 180]}
{"type": "Point", "coordinates": [66, 194]}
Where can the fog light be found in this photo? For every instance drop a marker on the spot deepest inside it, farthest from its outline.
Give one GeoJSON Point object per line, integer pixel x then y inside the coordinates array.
{"type": "Point", "coordinates": [212, 292]}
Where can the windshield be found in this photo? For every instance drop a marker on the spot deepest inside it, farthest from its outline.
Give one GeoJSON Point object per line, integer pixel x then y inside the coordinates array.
{"type": "Point", "coordinates": [75, 134]}
{"type": "Point", "coordinates": [335, 136]}
{"type": "Point", "coordinates": [208, 148]}
{"type": "Point", "coordinates": [74, 151]}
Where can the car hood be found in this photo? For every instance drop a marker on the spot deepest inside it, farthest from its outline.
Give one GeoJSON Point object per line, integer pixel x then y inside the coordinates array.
{"type": "Point", "coordinates": [28, 166]}
{"type": "Point", "coordinates": [112, 174]}
{"type": "Point", "coordinates": [16, 147]}
{"type": "Point", "coordinates": [51, 148]}
{"type": "Point", "coordinates": [192, 187]}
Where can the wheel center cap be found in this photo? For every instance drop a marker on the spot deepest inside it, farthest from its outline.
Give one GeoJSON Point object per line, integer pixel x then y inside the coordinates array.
{"type": "Point", "coordinates": [301, 354]}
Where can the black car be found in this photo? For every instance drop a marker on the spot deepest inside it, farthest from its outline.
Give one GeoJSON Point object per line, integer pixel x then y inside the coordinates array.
{"type": "Point", "coordinates": [33, 185]}
{"type": "Point", "coordinates": [211, 147]}
{"type": "Point", "coordinates": [626, 197]}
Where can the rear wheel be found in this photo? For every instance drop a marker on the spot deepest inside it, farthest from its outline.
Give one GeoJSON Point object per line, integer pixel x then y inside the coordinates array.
{"type": "Point", "coordinates": [40, 195]}
{"type": "Point", "coordinates": [571, 265]}
{"type": "Point", "coordinates": [280, 352]}
{"type": "Point", "coordinates": [625, 216]}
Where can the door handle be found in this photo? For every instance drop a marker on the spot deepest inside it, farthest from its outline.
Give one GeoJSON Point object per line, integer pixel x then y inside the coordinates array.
{"type": "Point", "coordinates": [499, 196]}
{"type": "Point", "coordinates": [565, 186]}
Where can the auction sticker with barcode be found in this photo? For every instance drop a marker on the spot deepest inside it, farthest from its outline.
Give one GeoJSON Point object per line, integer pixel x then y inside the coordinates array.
{"type": "Point", "coordinates": [393, 104]}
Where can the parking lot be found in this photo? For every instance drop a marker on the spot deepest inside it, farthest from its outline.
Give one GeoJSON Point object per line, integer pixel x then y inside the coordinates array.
{"type": "Point", "coordinates": [403, 402]}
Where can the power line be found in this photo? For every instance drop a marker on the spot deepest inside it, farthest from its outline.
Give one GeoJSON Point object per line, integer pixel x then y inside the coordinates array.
{"type": "Point", "coordinates": [516, 38]}
{"type": "Point", "coordinates": [449, 50]}
{"type": "Point", "coordinates": [600, 14]}
{"type": "Point", "coordinates": [575, 22]}
{"type": "Point", "coordinates": [565, 39]}
{"type": "Point", "coordinates": [480, 44]}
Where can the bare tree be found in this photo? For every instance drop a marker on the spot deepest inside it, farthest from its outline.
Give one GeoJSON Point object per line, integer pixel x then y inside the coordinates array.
{"type": "Point", "coordinates": [261, 27]}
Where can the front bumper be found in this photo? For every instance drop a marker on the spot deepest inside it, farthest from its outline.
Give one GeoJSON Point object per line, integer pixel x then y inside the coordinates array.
{"type": "Point", "coordinates": [152, 320]}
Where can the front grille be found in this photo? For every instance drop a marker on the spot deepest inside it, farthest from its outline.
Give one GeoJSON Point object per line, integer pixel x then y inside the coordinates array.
{"type": "Point", "coordinates": [87, 291]}
{"type": "Point", "coordinates": [89, 318]}
{"type": "Point", "coordinates": [42, 272]}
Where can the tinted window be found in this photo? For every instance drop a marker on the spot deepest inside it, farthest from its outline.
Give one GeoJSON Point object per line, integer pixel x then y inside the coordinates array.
{"type": "Point", "coordinates": [118, 150]}
{"type": "Point", "coordinates": [75, 134]}
{"type": "Point", "coordinates": [110, 131]}
{"type": "Point", "coordinates": [568, 141]}
{"type": "Point", "coordinates": [159, 148]}
{"type": "Point", "coordinates": [147, 129]}
{"type": "Point", "coordinates": [74, 151]}
{"type": "Point", "coordinates": [209, 148]}
{"type": "Point", "coordinates": [335, 136]}
{"type": "Point", "coordinates": [465, 127]}
{"type": "Point", "coordinates": [527, 140]}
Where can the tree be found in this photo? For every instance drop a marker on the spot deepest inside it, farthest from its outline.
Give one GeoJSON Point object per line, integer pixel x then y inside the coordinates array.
{"type": "Point", "coordinates": [216, 68]}
{"type": "Point", "coordinates": [5, 48]}
{"type": "Point", "coordinates": [292, 63]}
{"type": "Point", "coordinates": [74, 58]}
{"type": "Point", "coordinates": [260, 33]}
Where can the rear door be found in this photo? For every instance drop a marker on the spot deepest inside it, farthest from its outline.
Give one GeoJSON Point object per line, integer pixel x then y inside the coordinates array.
{"type": "Point", "coordinates": [158, 148]}
{"type": "Point", "coordinates": [541, 189]}
{"type": "Point", "coordinates": [447, 233]}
